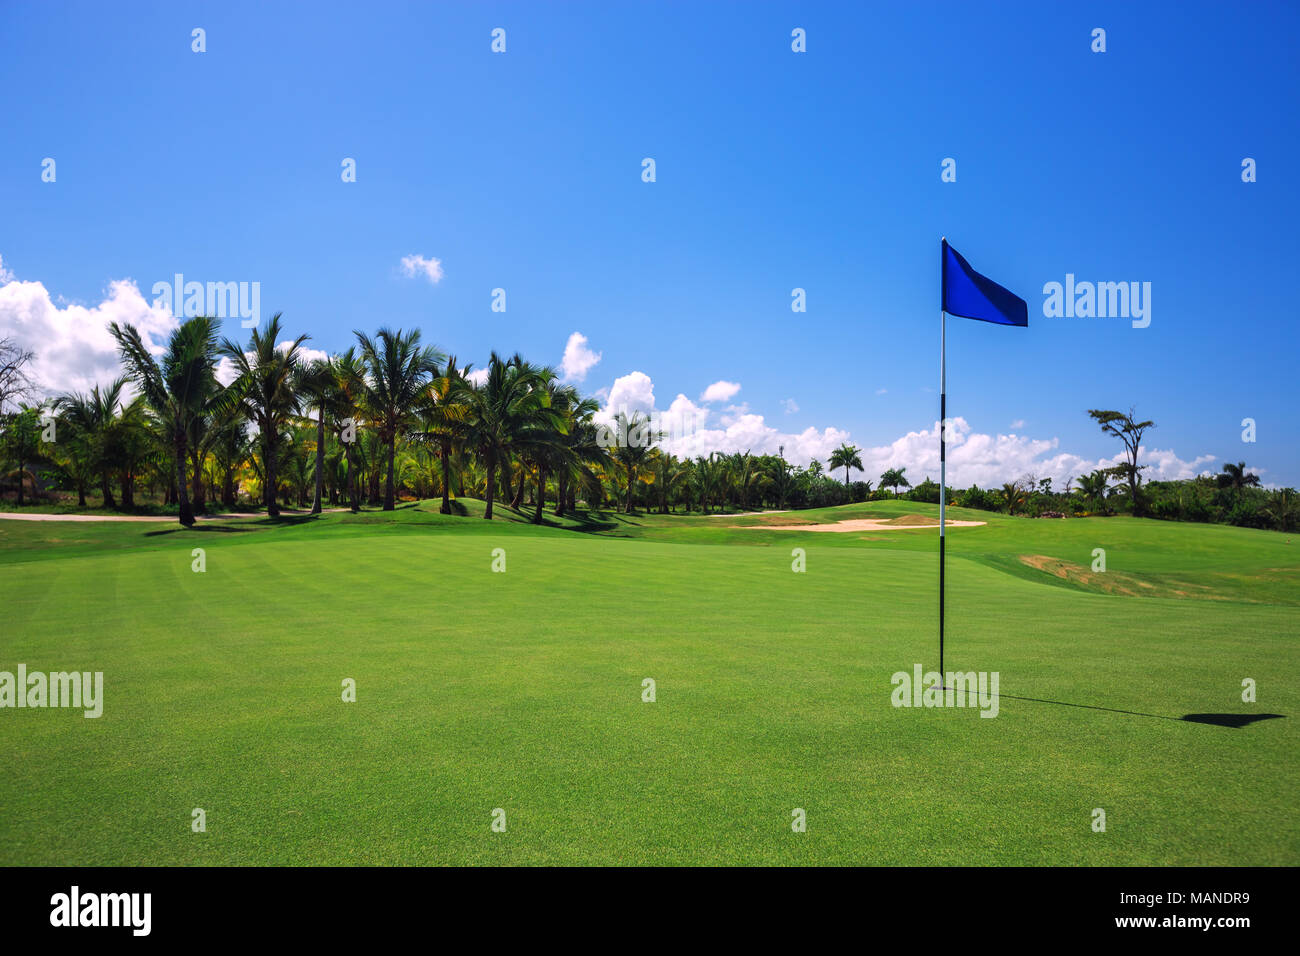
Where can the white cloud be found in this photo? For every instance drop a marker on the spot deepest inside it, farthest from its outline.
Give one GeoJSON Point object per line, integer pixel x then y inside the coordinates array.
{"type": "Point", "coordinates": [415, 265]}
{"type": "Point", "coordinates": [578, 359]}
{"type": "Point", "coordinates": [737, 429]}
{"type": "Point", "coordinates": [225, 370]}
{"type": "Point", "coordinates": [73, 348]}
{"type": "Point", "coordinates": [305, 353]}
{"type": "Point", "coordinates": [631, 393]}
{"type": "Point", "coordinates": [790, 406]}
{"type": "Point", "coordinates": [976, 458]}
{"type": "Point", "coordinates": [1018, 424]}
{"type": "Point", "coordinates": [478, 376]}
{"type": "Point", "coordinates": [881, 391]}
{"type": "Point", "coordinates": [973, 457]}
{"type": "Point", "coordinates": [720, 392]}
{"type": "Point", "coordinates": [5, 274]}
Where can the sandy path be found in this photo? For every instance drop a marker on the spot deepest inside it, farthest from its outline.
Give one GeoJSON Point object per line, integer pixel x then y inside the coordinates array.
{"type": "Point", "coordinates": [861, 524]}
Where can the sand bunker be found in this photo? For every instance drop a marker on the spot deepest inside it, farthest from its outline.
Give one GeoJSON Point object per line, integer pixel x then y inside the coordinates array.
{"type": "Point", "coordinates": [904, 523]}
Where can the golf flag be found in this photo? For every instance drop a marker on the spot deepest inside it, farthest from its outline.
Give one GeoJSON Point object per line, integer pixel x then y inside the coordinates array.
{"type": "Point", "coordinates": [973, 296]}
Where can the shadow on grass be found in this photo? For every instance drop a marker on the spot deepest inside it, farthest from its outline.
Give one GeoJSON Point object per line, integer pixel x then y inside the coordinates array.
{"type": "Point", "coordinates": [1218, 720]}
{"type": "Point", "coordinates": [205, 529]}
{"type": "Point", "coordinates": [262, 522]}
{"type": "Point", "coordinates": [1228, 720]}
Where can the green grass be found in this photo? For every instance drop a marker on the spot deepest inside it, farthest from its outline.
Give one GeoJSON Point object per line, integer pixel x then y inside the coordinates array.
{"type": "Point", "coordinates": [522, 691]}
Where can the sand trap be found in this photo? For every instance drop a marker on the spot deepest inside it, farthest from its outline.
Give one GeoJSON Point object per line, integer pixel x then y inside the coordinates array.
{"type": "Point", "coordinates": [905, 523]}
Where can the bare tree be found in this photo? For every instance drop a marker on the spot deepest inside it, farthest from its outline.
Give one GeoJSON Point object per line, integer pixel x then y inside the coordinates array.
{"type": "Point", "coordinates": [15, 382]}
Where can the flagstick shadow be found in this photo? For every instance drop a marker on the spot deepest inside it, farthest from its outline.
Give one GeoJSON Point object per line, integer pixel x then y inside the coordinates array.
{"type": "Point", "coordinates": [1218, 720]}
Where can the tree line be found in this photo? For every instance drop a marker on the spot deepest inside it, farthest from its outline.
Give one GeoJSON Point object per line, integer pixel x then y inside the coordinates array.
{"type": "Point", "coordinates": [391, 417]}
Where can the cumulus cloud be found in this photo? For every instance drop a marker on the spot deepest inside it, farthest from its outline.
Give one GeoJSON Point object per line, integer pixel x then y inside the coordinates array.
{"type": "Point", "coordinates": [73, 348]}
{"type": "Point", "coordinates": [478, 376]}
{"type": "Point", "coordinates": [225, 370]}
{"type": "Point", "coordinates": [578, 360]}
{"type": "Point", "coordinates": [976, 458]}
{"type": "Point", "coordinates": [305, 353]}
{"type": "Point", "coordinates": [5, 274]}
{"type": "Point", "coordinates": [973, 457]}
{"type": "Point", "coordinates": [720, 392]}
{"type": "Point", "coordinates": [790, 406]}
{"type": "Point", "coordinates": [415, 265]}
{"type": "Point", "coordinates": [691, 429]}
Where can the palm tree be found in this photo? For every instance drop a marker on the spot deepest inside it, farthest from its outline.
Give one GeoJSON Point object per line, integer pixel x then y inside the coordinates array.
{"type": "Point", "coordinates": [511, 402]}
{"type": "Point", "coordinates": [667, 472]}
{"type": "Point", "coordinates": [263, 392]}
{"type": "Point", "coordinates": [179, 388]}
{"type": "Point", "coordinates": [586, 457]}
{"type": "Point", "coordinates": [895, 478]}
{"type": "Point", "coordinates": [635, 438]}
{"type": "Point", "coordinates": [846, 457]}
{"type": "Point", "coordinates": [349, 384]}
{"type": "Point", "coordinates": [1236, 477]}
{"type": "Point", "coordinates": [1093, 486]}
{"type": "Point", "coordinates": [442, 418]}
{"type": "Point", "coordinates": [782, 479]}
{"type": "Point", "coordinates": [1014, 494]}
{"type": "Point", "coordinates": [397, 369]}
{"type": "Point", "coordinates": [1281, 508]}
{"type": "Point", "coordinates": [318, 388]}
{"type": "Point", "coordinates": [548, 448]}
{"type": "Point", "coordinates": [230, 448]}
{"type": "Point", "coordinates": [20, 439]}
{"type": "Point", "coordinates": [706, 475]}
{"type": "Point", "coordinates": [91, 420]}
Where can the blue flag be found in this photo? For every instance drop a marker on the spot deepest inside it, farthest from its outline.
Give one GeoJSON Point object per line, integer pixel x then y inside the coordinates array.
{"type": "Point", "coordinates": [972, 296]}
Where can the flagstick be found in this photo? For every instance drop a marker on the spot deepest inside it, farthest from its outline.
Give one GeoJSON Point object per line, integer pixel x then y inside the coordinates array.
{"type": "Point", "coordinates": [943, 468]}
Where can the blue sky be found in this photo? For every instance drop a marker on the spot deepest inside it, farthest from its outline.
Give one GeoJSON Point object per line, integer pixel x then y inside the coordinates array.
{"type": "Point", "coordinates": [775, 170]}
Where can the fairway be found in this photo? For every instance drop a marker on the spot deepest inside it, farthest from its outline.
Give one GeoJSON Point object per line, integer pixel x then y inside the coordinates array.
{"type": "Point", "coordinates": [521, 690]}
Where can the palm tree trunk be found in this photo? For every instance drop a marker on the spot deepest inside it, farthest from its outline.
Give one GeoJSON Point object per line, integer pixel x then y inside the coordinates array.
{"type": "Point", "coordinates": [446, 476]}
{"type": "Point", "coordinates": [107, 491]}
{"type": "Point", "coordinates": [628, 507]}
{"type": "Point", "coordinates": [268, 463]}
{"type": "Point", "coordinates": [517, 501]}
{"type": "Point", "coordinates": [81, 494]}
{"type": "Point", "coordinates": [541, 494]}
{"type": "Point", "coordinates": [389, 503]}
{"type": "Point", "coordinates": [182, 495]}
{"type": "Point", "coordinates": [197, 500]}
{"type": "Point", "coordinates": [490, 459]}
{"type": "Point", "coordinates": [320, 460]}
{"type": "Point", "coordinates": [507, 479]}
{"type": "Point", "coordinates": [561, 490]}
{"type": "Point", "coordinates": [354, 483]}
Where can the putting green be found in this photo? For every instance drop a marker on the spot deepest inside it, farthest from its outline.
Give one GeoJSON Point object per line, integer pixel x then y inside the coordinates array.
{"type": "Point", "coordinates": [478, 690]}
